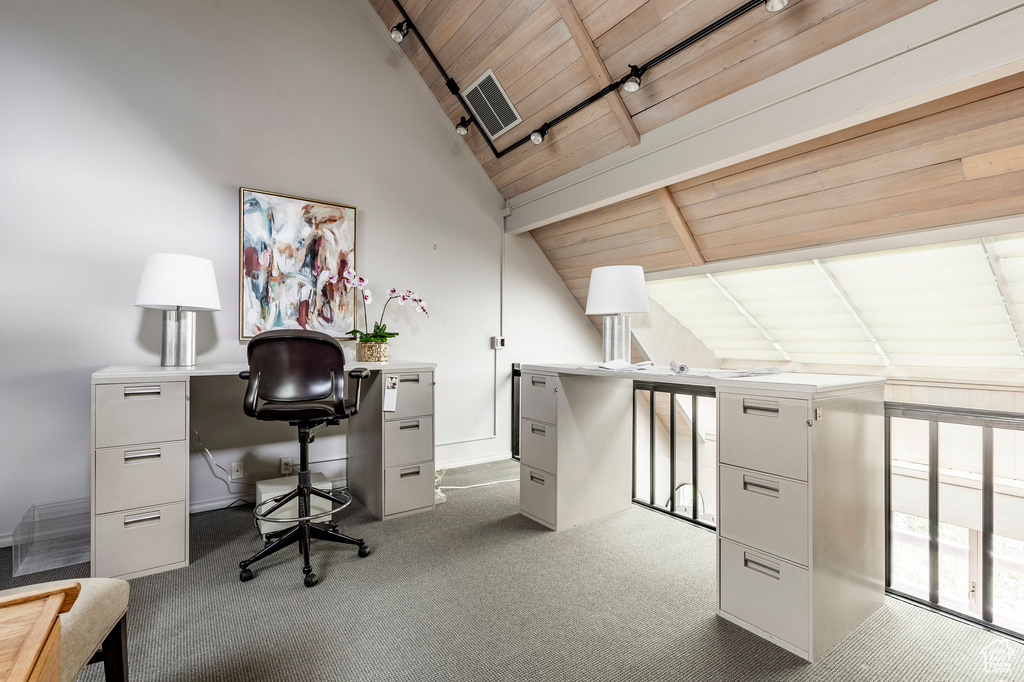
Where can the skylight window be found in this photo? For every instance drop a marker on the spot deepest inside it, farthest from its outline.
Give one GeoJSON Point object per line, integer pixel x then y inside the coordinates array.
{"type": "Point", "coordinates": [944, 305]}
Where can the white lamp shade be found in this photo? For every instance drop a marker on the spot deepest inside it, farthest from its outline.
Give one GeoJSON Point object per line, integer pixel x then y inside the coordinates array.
{"type": "Point", "coordinates": [170, 281]}
{"type": "Point", "coordinates": [617, 289]}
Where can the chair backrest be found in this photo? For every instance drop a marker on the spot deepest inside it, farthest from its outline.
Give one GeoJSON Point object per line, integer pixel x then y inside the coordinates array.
{"type": "Point", "coordinates": [294, 365]}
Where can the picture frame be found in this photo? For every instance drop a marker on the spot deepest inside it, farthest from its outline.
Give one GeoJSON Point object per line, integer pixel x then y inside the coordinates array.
{"type": "Point", "coordinates": [292, 254]}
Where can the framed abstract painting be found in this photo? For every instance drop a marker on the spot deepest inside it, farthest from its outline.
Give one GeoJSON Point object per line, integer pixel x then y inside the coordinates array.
{"type": "Point", "coordinates": [293, 253]}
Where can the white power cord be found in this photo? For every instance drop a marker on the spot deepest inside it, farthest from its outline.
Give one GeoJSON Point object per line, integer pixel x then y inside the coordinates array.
{"type": "Point", "coordinates": [478, 485]}
{"type": "Point", "coordinates": [214, 463]}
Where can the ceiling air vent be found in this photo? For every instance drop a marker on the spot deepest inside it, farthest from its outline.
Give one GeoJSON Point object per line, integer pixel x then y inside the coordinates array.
{"type": "Point", "coordinates": [491, 106]}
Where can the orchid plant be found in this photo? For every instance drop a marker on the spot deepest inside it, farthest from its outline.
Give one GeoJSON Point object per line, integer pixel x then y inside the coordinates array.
{"type": "Point", "coordinates": [380, 333]}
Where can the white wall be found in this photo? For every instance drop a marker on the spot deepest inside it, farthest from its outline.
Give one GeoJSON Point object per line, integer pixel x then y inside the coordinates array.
{"type": "Point", "coordinates": [127, 127]}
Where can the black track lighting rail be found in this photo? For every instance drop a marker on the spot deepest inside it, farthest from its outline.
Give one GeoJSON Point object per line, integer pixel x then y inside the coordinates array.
{"type": "Point", "coordinates": [637, 71]}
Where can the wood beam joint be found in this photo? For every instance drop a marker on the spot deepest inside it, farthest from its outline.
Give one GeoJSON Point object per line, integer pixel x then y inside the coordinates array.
{"type": "Point", "coordinates": [668, 204]}
{"type": "Point", "coordinates": [571, 18]}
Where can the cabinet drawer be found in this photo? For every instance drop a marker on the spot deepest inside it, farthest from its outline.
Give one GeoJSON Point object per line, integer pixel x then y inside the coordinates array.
{"type": "Point", "coordinates": [127, 542]}
{"type": "Point", "coordinates": [408, 441]}
{"type": "Point", "coordinates": [128, 414]}
{"type": "Point", "coordinates": [538, 494]}
{"type": "Point", "coordinates": [538, 445]}
{"type": "Point", "coordinates": [138, 476]}
{"type": "Point", "coordinates": [408, 488]}
{"type": "Point", "coordinates": [765, 434]}
{"type": "Point", "coordinates": [415, 395]}
{"type": "Point", "coordinates": [763, 511]}
{"type": "Point", "coordinates": [539, 397]}
{"type": "Point", "coordinates": [767, 593]}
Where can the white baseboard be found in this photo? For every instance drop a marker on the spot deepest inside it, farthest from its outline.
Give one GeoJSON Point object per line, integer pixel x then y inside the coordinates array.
{"type": "Point", "coordinates": [446, 463]}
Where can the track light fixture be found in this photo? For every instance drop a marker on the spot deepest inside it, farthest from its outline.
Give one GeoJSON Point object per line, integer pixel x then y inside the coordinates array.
{"type": "Point", "coordinates": [399, 31]}
{"type": "Point", "coordinates": [462, 127]}
{"type": "Point", "coordinates": [631, 83]}
{"type": "Point", "coordinates": [537, 136]}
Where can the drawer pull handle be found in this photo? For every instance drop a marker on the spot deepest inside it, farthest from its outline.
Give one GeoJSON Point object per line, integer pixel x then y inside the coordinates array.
{"type": "Point", "coordinates": [409, 379]}
{"type": "Point", "coordinates": [409, 473]}
{"type": "Point", "coordinates": [761, 567]}
{"type": "Point", "coordinates": [132, 520]}
{"type": "Point", "coordinates": [538, 430]}
{"type": "Point", "coordinates": [538, 381]}
{"type": "Point", "coordinates": [752, 486]}
{"type": "Point", "coordinates": [136, 455]}
{"type": "Point", "coordinates": [534, 478]}
{"type": "Point", "coordinates": [409, 426]}
{"type": "Point", "coordinates": [752, 408]}
{"type": "Point", "coordinates": [130, 391]}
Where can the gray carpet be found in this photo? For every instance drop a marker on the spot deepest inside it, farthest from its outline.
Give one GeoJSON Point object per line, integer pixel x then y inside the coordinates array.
{"type": "Point", "coordinates": [474, 591]}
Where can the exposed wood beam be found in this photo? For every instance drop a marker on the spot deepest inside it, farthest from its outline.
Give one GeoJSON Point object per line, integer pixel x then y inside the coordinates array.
{"type": "Point", "coordinates": [597, 67]}
{"type": "Point", "coordinates": [668, 204]}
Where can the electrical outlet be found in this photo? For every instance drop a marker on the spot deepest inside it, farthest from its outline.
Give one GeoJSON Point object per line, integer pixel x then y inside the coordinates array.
{"type": "Point", "coordinates": [286, 466]}
{"type": "Point", "coordinates": [236, 471]}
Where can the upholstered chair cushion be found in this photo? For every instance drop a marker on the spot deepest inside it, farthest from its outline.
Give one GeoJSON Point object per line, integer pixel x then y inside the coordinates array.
{"type": "Point", "coordinates": [100, 605]}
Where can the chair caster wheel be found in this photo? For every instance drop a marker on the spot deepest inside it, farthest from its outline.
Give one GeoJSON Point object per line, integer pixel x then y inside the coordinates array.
{"type": "Point", "coordinates": [267, 543]}
{"type": "Point", "coordinates": [310, 580]}
{"type": "Point", "coordinates": [333, 526]}
{"type": "Point", "coordinates": [364, 551]}
{"type": "Point", "coordinates": [246, 575]}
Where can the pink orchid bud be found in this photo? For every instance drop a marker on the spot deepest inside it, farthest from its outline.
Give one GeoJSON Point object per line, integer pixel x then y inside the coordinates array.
{"type": "Point", "coordinates": [360, 282]}
{"type": "Point", "coordinates": [367, 296]}
{"type": "Point", "coordinates": [393, 292]}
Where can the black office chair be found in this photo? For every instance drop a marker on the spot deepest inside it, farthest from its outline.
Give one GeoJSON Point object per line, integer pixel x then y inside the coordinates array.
{"type": "Point", "coordinates": [298, 376]}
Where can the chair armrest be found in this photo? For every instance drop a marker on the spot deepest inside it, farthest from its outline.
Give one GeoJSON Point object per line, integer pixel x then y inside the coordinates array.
{"type": "Point", "coordinates": [251, 393]}
{"type": "Point", "coordinates": [350, 409]}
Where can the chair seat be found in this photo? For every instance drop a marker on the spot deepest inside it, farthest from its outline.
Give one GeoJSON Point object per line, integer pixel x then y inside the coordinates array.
{"type": "Point", "coordinates": [295, 412]}
{"type": "Point", "coordinates": [100, 605]}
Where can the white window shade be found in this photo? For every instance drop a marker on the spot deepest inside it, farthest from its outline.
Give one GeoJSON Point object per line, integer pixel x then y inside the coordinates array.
{"type": "Point", "coordinates": [703, 309]}
{"type": "Point", "coordinates": [936, 306]}
{"type": "Point", "coordinates": [933, 306]}
{"type": "Point", "coordinates": [802, 311]}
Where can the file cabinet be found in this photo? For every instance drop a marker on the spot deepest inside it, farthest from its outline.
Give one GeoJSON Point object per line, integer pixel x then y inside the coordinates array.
{"type": "Point", "coordinates": [801, 531]}
{"type": "Point", "coordinates": [391, 454]}
{"type": "Point", "coordinates": [139, 477]}
{"type": "Point", "coordinates": [571, 464]}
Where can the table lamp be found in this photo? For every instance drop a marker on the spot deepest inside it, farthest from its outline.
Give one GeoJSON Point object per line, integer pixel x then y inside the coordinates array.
{"type": "Point", "coordinates": [616, 291]}
{"type": "Point", "coordinates": [179, 286]}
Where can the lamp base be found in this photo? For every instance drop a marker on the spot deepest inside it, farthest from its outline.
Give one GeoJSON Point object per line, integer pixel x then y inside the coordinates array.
{"type": "Point", "coordinates": [616, 338]}
{"type": "Point", "coordinates": [178, 339]}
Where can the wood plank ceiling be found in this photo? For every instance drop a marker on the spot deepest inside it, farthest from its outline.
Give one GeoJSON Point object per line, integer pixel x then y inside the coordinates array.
{"type": "Point", "coordinates": [551, 54]}
{"type": "Point", "coordinates": [955, 160]}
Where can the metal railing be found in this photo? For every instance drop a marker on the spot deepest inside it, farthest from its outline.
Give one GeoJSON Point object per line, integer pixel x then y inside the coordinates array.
{"type": "Point", "coordinates": [987, 421]}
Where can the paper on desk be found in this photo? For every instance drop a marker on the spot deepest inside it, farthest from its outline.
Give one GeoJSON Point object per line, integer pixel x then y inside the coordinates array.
{"type": "Point", "coordinates": [623, 366]}
{"type": "Point", "coordinates": [390, 392]}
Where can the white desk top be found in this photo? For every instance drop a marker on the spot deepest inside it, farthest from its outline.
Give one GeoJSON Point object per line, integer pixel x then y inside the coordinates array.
{"type": "Point", "coordinates": [786, 381]}
{"type": "Point", "coordinates": [118, 373]}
